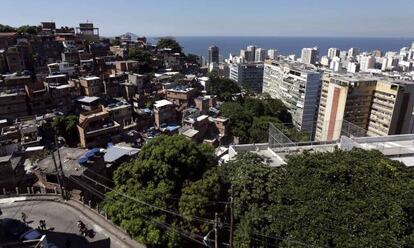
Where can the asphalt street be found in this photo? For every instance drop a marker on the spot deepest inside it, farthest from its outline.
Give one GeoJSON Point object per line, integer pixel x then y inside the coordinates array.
{"type": "Point", "coordinates": [61, 223]}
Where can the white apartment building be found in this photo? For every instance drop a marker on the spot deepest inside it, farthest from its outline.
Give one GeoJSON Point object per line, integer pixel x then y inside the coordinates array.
{"type": "Point", "coordinates": [310, 55]}
{"type": "Point", "coordinates": [297, 86]}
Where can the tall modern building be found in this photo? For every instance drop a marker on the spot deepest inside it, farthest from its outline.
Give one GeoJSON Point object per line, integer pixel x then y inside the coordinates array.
{"type": "Point", "coordinates": [298, 87]}
{"type": "Point", "coordinates": [213, 55]}
{"type": "Point", "coordinates": [272, 54]}
{"type": "Point", "coordinates": [353, 52]}
{"type": "Point", "coordinates": [251, 53]}
{"type": "Point", "coordinates": [376, 107]}
{"type": "Point", "coordinates": [367, 62]}
{"type": "Point", "coordinates": [261, 55]}
{"type": "Point", "coordinates": [310, 55]}
{"type": "Point", "coordinates": [248, 75]}
{"type": "Point", "coordinates": [342, 98]}
{"type": "Point", "coordinates": [333, 52]}
{"type": "Point", "coordinates": [392, 108]}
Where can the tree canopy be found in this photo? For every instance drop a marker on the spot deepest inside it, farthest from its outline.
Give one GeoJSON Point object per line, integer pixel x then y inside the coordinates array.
{"type": "Point", "coordinates": [6, 29]}
{"type": "Point", "coordinates": [340, 199]}
{"type": "Point", "coordinates": [250, 119]}
{"type": "Point", "coordinates": [165, 167]}
{"type": "Point", "coordinates": [168, 42]}
{"type": "Point", "coordinates": [27, 29]}
{"type": "Point", "coordinates": [345, 199]}
{"type": "Point", "coordinates": [66, 126]}
{"type": "Point", "coordinates": [144, 58]}
{"type": "Point", "coordinates": [224, 88]}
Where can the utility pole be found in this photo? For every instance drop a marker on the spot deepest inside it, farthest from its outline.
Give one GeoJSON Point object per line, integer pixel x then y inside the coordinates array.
{"type": "Point", "coordinates": [62, 175]}
{"type": "Point", "coordinates": [58, 175]}
{"type": "Point", "coordinates": [216, 230]}
{"type": "Point", "coordinates": [231, 216]}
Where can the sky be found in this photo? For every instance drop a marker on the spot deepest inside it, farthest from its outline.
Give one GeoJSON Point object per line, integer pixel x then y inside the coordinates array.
{"type": "Point", "coordinates": [303, 18]}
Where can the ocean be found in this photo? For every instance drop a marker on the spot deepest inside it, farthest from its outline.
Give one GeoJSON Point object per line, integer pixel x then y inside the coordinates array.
{"type": "Point", "coordinates": [288, 45]}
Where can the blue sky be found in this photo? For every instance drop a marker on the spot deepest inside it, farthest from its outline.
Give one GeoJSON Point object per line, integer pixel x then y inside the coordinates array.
{"type": "Point", "coordinates": [370, 18]}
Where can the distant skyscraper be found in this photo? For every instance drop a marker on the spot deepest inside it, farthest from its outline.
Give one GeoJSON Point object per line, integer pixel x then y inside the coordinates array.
{"type": "Point", "coordinates": [310, 55]}
{"type": "Point", "coordinates": [367, 62]}
{"type": "Point", "coordinates": [248, 75]}
{"type": "Point", "coordinates": [261, 55]}
{"type": "Point", "coordinates": [250, 53]}
{"type": "Point", "coordinates": [353, 52]}
{"type": "Point", "coordinates": [333, 52]}
{"type": "Point", "coordinates": [213, 55]}
{"type": "Point", "coordinates": [353, 67]}
{"type": "Point", "coordinates": [272, 54]}
{"type": "Point", "coordinates": [412, 46]}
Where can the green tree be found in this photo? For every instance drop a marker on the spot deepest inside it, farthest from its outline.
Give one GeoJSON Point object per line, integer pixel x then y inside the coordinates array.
{"type": "Point", "coordinates": [169, 42]}
{"type": "Point", "coordinates": [340, 199]}
{"type": "Point", "coordinates": [144, 58]}
{"type": "Point", "coordinates": [162, 169]}
{"type": "Point", "coordinates": [259, 131]}
{"type": "Point", "coordinates": [116, 42]}
{"type": "Point", "coordinates": [224, 88]}
{"type": "Point", "coordinates": [250, 120]}
{"type": "Point", "coordinates": [6, 29]}
{"type": "Point", "coordinates": [198, 199]}
{"type": "Point", "coordinates": [27, 29]}
{"type": "Point", "coordinates": [66, 126]}
{"type": "Point", "coordinates": [240, 119]}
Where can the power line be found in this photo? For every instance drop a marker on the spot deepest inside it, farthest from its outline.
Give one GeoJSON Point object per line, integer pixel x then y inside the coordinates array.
{"type": "Point", "coordinates": [201, 219]}
{"type": "Point", "coordinates": [103, 177]}
{"type": "Point", "coordinates": [160, 224]}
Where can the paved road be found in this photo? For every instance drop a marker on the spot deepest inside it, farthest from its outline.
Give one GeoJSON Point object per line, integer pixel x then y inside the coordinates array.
{"type": "Point", "coordinates": [61, 221]}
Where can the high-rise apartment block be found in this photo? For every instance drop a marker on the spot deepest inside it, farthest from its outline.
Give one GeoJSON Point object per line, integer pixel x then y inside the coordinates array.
{"type": "Point", "coordinates": [376, 107]}
{"type": "Point", "coordinates": [353, 52]}
{"type": "Point", "coordinates": [343, 98]}
{"type": "Point", "coordinates": [367, 62]}
{"type": "Point", "coordinates": [297, 86]}
{"type": "Point", "coordinates": [261, 55]}
{"type": "Point", "coordinates": [310, 55]}
{"type": "Point", "coordinates": [213, 55]}
{"type": "Point", "coordinates": [248, 75]}
{"type": "Point", "coordinates": [391, 109]}
{"type": "Point", "coordinates": [333, 52]}
{"type": "Point", "coordinates": [272, 54]}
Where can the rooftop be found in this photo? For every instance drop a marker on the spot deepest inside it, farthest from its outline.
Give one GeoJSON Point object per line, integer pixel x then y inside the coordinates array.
{"type": "Point", "coordinates": [162, 103]}
{"type": "Point", "coordinates": [87, 99]}
{"type": "Point", "coordinates": [69, 156]}
{"type": "Point", "coordinates": [190, 133]}
{"type": "Point", "coordinates": [90, 78]}
{"type": "Point", "coordinates": [396, 147]}
{"type": "Point", "coordinates": [114, 153]}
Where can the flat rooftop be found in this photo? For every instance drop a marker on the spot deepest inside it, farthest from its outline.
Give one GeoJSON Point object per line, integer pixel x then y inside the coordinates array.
{"type": "Point", "coordinates": [396, 147]}
{"type": "Point", "coordinates": [87, 99]}
{"type": "Point", "coordinates": [162, 103]}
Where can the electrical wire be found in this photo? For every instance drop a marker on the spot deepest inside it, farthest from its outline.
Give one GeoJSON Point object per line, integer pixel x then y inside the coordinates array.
{"type": "Point", "coordinates": [200, 219]}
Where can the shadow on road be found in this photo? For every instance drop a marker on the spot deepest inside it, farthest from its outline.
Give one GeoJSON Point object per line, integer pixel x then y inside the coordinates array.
{"type": "Point", "coordinates": [61, 240]}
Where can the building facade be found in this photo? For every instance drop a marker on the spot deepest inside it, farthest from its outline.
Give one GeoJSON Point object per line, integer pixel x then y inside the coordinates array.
{"type": "Point", "coordinates": [248, 75]}
{"type": "Point", "coordinates": [343, 98]}
{"type": "Point", "coordinates": [213, 54]}
{"type": "Point", "coordinates": [298, 87]}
